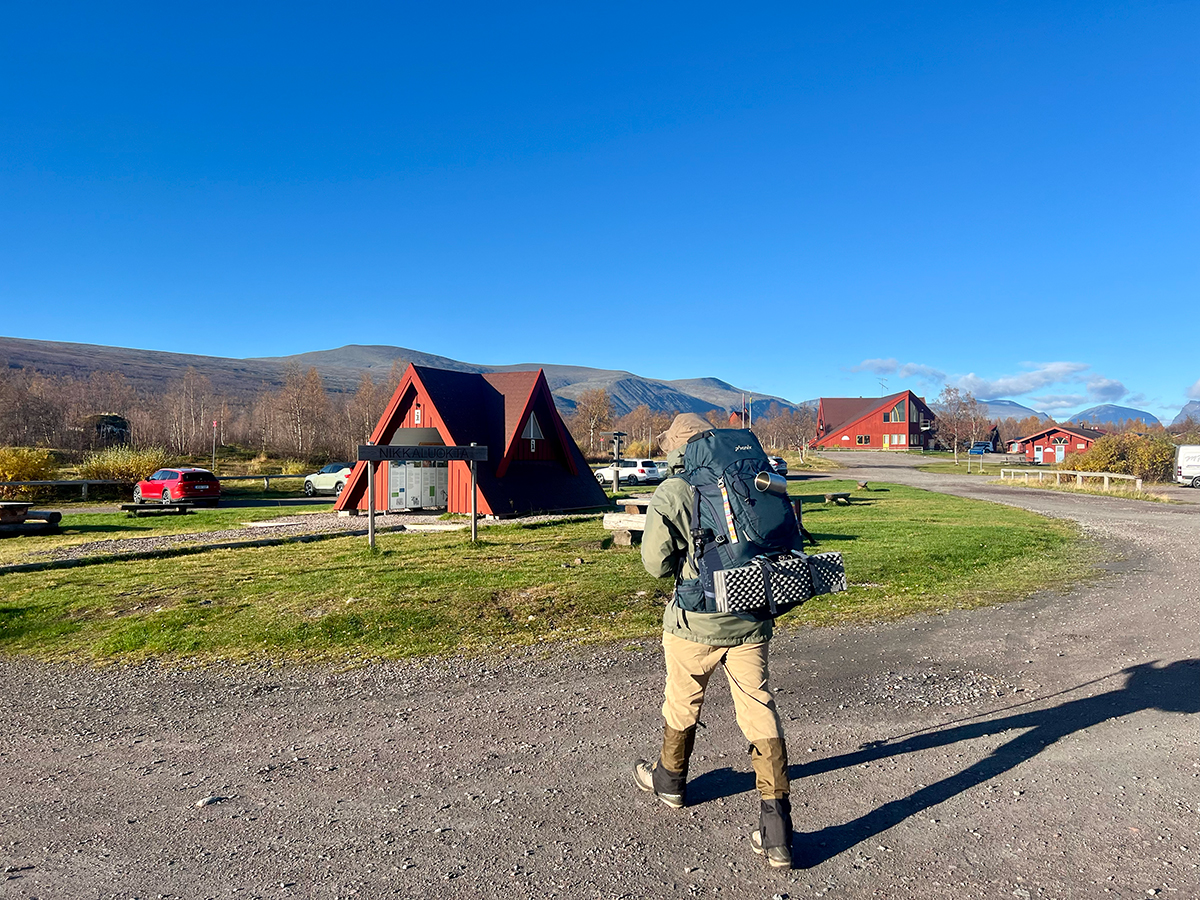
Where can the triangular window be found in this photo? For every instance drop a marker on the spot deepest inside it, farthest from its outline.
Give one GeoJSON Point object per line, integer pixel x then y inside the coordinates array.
{"type": "Point", "coordinates": [533, 431]}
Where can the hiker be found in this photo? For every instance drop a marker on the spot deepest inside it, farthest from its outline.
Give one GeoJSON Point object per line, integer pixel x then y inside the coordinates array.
{"type": "Point", "coordinates": [695, 643]}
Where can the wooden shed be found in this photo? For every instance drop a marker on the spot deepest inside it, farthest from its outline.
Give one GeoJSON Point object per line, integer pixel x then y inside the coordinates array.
{"type": "Point", "coordinates": [534, 465]}
{"type": "Point", "coordinates": [895, 422]}
{"type": "Point", "coordinates": [1054, 442]}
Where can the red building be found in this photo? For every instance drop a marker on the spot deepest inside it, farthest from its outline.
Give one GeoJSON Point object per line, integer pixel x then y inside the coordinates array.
{"type": "Point", "coordinates": [1054, 442]}
{"type": "Point", "coordinates": [533, 465]}
{"type": "Point", "coordinates": [895, 422]}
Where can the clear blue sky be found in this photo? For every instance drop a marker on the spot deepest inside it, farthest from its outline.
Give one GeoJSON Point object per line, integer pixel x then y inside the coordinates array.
{"type": "Point", "coordinates": [803, 199]}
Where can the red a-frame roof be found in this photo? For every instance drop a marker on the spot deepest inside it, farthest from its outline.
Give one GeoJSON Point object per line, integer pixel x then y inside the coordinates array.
{"type": "Point", "coordinates": [491, 410]}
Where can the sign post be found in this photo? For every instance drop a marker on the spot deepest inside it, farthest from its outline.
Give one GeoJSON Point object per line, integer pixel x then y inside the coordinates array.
{"type": "Point", "coordinates": [374, 454]}
{"type": "Point", "coordinates": [474, 508]}
{"type": "Point", "coordinates": [370, 499]}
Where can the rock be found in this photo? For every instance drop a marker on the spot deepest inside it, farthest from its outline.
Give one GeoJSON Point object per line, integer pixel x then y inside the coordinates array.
{"type": "Point", "coordinates": [211, 800]}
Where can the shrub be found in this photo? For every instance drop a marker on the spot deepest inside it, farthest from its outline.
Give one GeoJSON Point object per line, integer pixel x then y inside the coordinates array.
{"type": "Point", "coordinates": [1149, 457]}
{"type": "Point", "coordinates": [25, 464]}
{"type": "Point", "coordinates": [123, 463]}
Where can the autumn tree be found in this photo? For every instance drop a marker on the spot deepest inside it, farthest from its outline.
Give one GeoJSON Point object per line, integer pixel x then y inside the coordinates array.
{"type": "Point", "coordinates": [958, 416]}
{"type": "Point", "coordinates": [593, 414]}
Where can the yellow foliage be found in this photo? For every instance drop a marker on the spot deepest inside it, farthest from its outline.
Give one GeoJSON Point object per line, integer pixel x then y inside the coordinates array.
{"type": "Point", "coordinates": [25, 464]}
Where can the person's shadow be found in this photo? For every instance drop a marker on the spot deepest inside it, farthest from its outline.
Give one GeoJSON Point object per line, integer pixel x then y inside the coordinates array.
{"type": "Point", "coordinates": [1171, 688]}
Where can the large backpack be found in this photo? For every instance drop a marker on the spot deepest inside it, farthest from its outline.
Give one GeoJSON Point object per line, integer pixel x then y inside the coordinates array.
{"type": "Point", "coordinates": [745, 542]}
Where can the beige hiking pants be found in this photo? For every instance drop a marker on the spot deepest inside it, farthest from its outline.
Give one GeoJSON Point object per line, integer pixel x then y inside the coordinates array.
{"type": "Point", "coordinates": [689, 666]}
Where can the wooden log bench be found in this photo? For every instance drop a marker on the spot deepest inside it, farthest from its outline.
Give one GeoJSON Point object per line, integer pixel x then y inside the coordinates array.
{"type": "Point", "coordinates": [158, 509]}
{"type": "Point", "coordinates": [626, 527]}
{"type": "Point", "coordinates": [18, 518]}
{"type": "Point", "coordinates": [838, 497]}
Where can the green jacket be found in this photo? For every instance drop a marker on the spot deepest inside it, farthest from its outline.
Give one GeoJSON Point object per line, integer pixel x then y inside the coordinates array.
{"type": "Point", "coordinates": [665, 544]}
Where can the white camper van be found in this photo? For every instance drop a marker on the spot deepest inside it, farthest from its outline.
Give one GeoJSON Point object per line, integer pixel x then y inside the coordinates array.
{"type": "Point", "coordinates": [1187, 464]}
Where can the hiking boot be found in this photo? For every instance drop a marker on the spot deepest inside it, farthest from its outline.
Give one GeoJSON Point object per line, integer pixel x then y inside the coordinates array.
{"type": "Point", "coordinates": [773, 839]}
{"type": "Point", "coordinates": [654, 779]}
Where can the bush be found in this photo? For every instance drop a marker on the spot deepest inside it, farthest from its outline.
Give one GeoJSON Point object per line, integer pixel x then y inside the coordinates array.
{"type": "Point", "coordinates": [1149, 457]}
{"type": "Point", "coordinates": [123, 464]}
{"type": "Point", "coordinates": [25, 464]}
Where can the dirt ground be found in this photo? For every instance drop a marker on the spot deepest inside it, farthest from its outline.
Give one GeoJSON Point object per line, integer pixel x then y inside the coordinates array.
{"type": "Point", "coordinates": [1040, 749]}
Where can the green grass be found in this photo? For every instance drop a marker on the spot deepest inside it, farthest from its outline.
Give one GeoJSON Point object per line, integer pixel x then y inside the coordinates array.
{"type": "Point", "coordinates": [1093, 488]}
{"type": "Point", "coordinates": [906, 551]}
{"type": "Point", "coordinates": [82, 528]}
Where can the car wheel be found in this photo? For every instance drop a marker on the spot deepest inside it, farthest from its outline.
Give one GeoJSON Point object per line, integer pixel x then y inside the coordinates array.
{"type": "Point", "coordinates": [600, 479]}
{"type": "Point", "coordinates": [166, 497]}
{"type": "Point", "coordinates": [137, 493]}
{"type": "Point", "coordinates": [632, 480]}
{"type": "Point", "coordinates": [1196, 482]}
{"type": "Point", "coordinates": [337, 488]}
{"type": "Point", "coordinates": [309, 490]}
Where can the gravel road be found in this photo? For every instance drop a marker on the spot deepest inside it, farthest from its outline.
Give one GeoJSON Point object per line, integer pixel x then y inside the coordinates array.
{"type": "Point", "coordinates": [1040, 749]}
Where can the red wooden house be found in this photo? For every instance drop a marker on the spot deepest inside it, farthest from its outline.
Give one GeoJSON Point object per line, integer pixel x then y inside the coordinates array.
{"type": "Point", "coordinates": [895, 422]}
{"type": "Point", "coordinates": [1054, 442]}
{"type": "Point", "coordinates": [533, 465]}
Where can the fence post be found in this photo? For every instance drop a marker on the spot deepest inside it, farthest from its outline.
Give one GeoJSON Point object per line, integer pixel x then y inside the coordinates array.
{"type": "Point", "coordinates": [85, 490]}
{"type": "Point", "coordinates": [1137, 484]}
{"type": "Point", "coordinates": [1106, 482]}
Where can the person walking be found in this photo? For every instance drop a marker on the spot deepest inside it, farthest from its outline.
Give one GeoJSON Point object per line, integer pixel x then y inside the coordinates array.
{"type": "Point", "coordinates": [694, 645]}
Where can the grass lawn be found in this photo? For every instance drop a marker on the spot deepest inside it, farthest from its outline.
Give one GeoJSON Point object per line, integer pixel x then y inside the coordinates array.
{"type": "Point", "coordinates": [82, 528]}
{"type": "Point", "coordinates": [906, 551]}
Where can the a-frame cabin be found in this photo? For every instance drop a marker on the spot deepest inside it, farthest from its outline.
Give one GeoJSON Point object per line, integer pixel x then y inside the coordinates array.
{"type": "Point", "coordinates": [533, 465]}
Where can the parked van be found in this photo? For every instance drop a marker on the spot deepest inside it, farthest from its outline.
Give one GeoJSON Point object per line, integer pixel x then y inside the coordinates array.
{"type": "Point", "coordinates": [1187, 464]}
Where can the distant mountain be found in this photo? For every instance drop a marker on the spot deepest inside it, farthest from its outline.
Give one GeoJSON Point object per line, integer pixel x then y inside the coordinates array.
{"type": "Point", "coordinates": [1192, 409]}
{"type": "Point", "coordinates": [1107, 414]}
{"type": "Point", "coordinates": [1009, 409]}
{"type": "Point", "coordinates": [341, 370]}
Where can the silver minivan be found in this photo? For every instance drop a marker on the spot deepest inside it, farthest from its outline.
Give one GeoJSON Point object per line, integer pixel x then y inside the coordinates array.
{"type": "Point", "coordinates": [1187, 464]}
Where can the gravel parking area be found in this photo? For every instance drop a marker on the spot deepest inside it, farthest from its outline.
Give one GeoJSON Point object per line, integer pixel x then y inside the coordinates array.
{"type": "Point", "coordinates": [1043, 749]}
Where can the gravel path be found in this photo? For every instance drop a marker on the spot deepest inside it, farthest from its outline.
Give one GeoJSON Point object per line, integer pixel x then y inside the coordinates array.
{"type": "Point", "coordinates": [282, 527]}
{"type": "Point", "coordinates": [1041, 749]}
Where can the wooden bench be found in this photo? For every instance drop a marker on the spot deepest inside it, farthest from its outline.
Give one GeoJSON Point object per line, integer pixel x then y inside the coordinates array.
{"type": "Point", "coordinates": [626, 527]}
{"type": "Point", "coordinates": [158, 509]}
{"type": "Point", "coordinates": [18, 518]}
{"type": "Point", "coordinates": [840, 497]}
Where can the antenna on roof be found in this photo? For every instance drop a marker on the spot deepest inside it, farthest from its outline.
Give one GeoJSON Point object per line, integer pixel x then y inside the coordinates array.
{"type": "Point", "coordinates": [883, 384]}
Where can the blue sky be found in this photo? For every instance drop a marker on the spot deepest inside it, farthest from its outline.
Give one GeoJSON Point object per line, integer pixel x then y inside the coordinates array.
{"type": "Point", "coordinates": [802, 199]}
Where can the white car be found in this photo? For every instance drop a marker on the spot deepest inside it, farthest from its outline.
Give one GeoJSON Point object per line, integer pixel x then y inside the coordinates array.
{"type": "Point", "coordinates": [330, 480]}
{"type": "Point", "coordinates": [632, 471]}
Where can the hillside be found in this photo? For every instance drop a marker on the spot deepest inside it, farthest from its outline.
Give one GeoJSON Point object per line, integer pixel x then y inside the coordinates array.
{"type": "Point", "coordinates": [1108, 414]}
{"type": "Point", "coordinates": [1192, 409]}
{"type": "Point", "coordinates": [341, 369]}
{"type": "Point", "coordinates": [1008, 409]}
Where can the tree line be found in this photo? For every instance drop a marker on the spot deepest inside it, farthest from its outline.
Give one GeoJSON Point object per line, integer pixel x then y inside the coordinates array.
{"type": "Point", "coordinates": [593, 420]}
{"type": "Point", "coordinates": [299, 419]}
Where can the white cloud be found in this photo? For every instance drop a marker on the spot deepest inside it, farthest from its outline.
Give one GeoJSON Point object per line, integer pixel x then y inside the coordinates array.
{"type": "Point", "coordinates": [1106, 389]}
{"type": "Point", "coordinates": [1194, 391]}
{"type": "Point", "coordinates": [1058, 402]}
{"type": "Point", "coordinates": [922, 372]}
{"type": "Point", "coordinates": [876, 366]}
{"type": "Point", "coordinates": [1040, 375]}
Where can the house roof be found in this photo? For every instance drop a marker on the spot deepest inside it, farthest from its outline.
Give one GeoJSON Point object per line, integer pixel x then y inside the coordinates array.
{"type": "Point", "coordinates": [840, 411]}
{"type": "Point", "coordinates": [490, 410]}
{"type": "Point", "coordinates": [1090, 434]}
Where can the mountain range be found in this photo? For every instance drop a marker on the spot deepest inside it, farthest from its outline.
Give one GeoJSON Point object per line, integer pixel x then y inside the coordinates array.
{"type": "Point", "coordinates": [1192, 409]}
{"type": "Point", "coordinates": [341, 369]}
{"type": "Point", "coordinates": [1108, 414]}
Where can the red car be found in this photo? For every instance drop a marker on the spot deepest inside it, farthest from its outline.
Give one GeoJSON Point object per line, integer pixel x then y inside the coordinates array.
{"type": "Point", "coordinates": [179, 485]}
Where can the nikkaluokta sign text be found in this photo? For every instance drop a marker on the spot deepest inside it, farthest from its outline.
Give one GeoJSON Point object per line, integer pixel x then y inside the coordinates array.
{"type": "Point", "coordinates": [388, 453]}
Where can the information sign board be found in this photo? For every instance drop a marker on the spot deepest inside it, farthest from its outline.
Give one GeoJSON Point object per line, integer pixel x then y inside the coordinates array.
{"type": "Point", "coordinates": [388, 453]}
